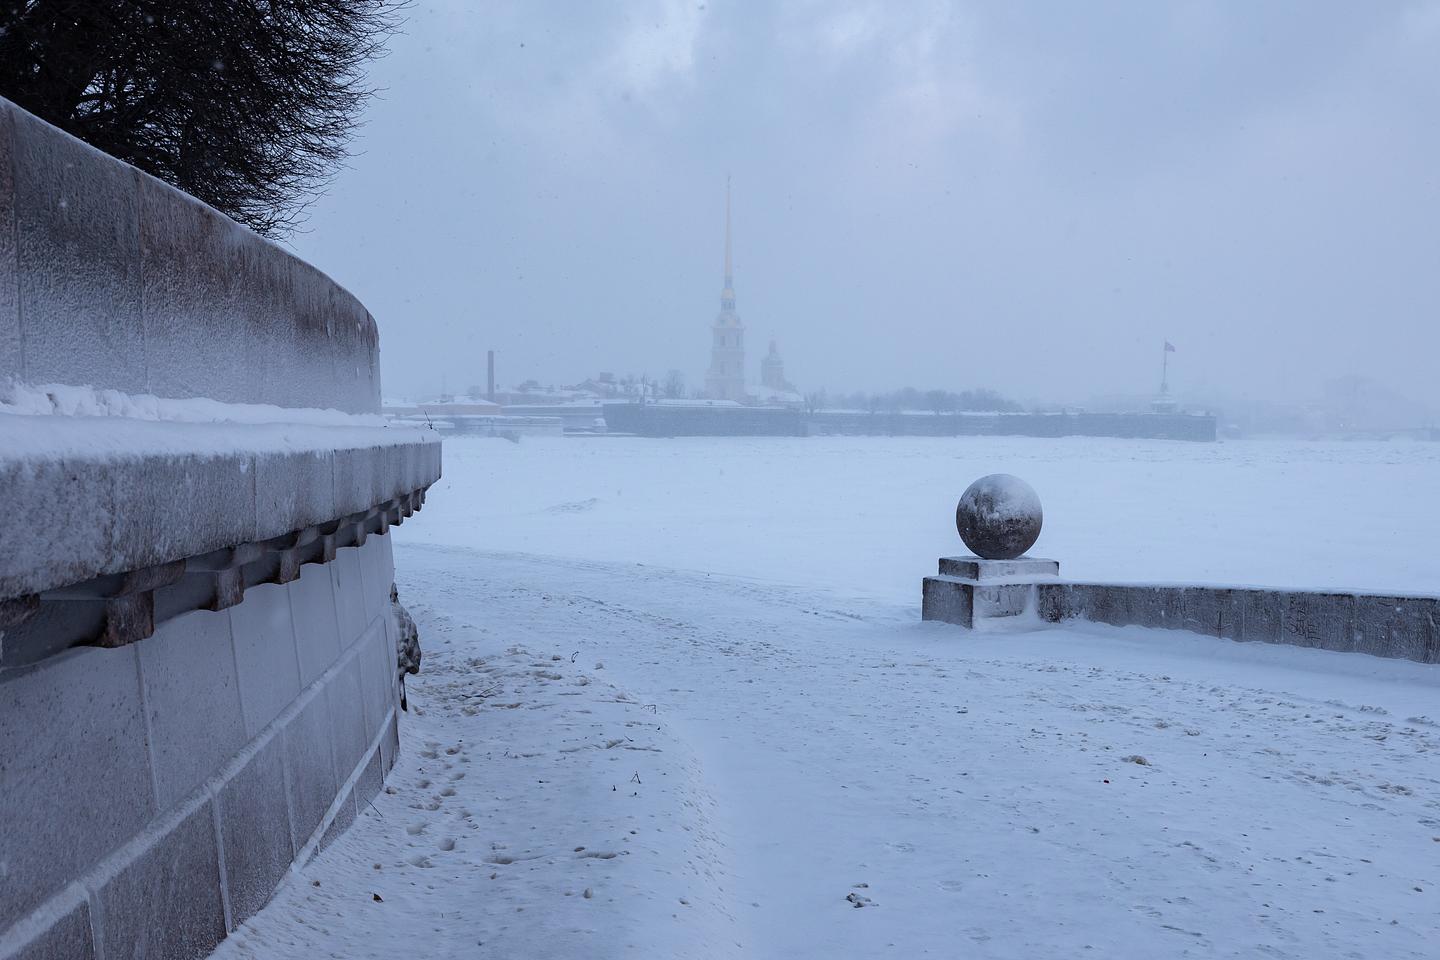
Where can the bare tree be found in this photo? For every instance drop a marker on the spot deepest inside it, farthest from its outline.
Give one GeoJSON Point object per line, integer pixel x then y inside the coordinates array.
{"type": "Point", "coordinates": [248, 105]}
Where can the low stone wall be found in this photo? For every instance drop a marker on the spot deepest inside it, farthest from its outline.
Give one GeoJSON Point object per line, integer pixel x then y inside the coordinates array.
{"type": "Point", "coordinates": [1406, 628]}
{"type": "Point", "coordinates": [1134, 426]}
{"type": "Point", "coordinates": [1027, 592]}
{"type": "Point", "coordinates": [676, 420]}
{"type": "Point", "coordinates": [663, 420]}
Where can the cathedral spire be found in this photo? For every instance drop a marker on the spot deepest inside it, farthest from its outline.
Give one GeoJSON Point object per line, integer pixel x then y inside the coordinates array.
{"type": "Point", "coordinates": [727, 296]}
{"type": "Point", "coordinates": [726, 378]}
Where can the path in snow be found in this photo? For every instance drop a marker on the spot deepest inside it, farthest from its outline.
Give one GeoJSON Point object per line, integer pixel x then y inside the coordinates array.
{"type": "Point", "coordinates": [785, 773]}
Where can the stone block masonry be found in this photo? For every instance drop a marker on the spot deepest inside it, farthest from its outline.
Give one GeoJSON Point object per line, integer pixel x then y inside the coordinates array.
{"type": "Point", "coordinates": [111, 278]}
{"type": "Point", "coordinates": [198, 683]}
{"type": "Point", "coordinates": [984, 594]}
{"type": "Point", "coordinates": [131, 774]}
{"type": "Point", "coordinates": [1404, 628]}
{"type": "Point", "coordinates": [1398, 628]}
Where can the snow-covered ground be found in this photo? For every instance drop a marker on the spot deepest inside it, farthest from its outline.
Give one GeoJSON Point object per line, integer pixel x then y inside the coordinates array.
{"type": "Point", "coordinates": [709, 723]}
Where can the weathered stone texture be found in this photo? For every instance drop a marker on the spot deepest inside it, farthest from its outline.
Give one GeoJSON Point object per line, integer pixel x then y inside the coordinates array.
{"type": "Point", "coordinates": [72, 751]}
{"type": "Point", "coordinates": [948, 601]}
{"type": "Point", "coordinates": [999, 517]}
{"type": "Point", "coordinates": [1402, 627]}
{"type": "Point", "coordinates": [344, 817]}
{"type": "Point", "coordinates": [347, 717]}
{"type": "Point", "coordinates": [349, 588]}
{"type": "Point", "coordinates": [976, 568]}
{"type": "Point", "coordinates": [310, 765]}
{"type": "Point", "coordinates": [317, 631]}
{"type": "Point", "coordinates": [78, 227]}
{"type": "Point", "coordinates": [255, 827]}
{"type": "Point", "coordinates": [376, 659]}
{"type": "Point", "coordinates": [1405, 628]}
{"type": "Point", "coordinates": [377, 574]}
{"type": "Point", "coordinates": [123, 282]}
{"type": "Point", "coordinates": [193, 697]}
{"type": "Point", "coordinates": [265, 655]}
{"type": "Point", "coordinates": [1324, 620]}
{"type": "Point", "coordinates": [1263, 613]}
{"type": "Point", "coordinates": [10, 356]}
{"type": "Point", "coordinates": [69, 936]}
{"type": "Point", "coordinates": [165, 904]}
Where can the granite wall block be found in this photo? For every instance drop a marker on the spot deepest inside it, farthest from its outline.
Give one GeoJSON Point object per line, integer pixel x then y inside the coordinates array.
{"type": "Point", "coordinates": [193, 696]}
{"type": "Point", "coordinates": [265, 655]}
{"type": "Point", "coordinates": [72, 751]}
{"type": "Point", "coordinates": [255, 829]}
{"type": "Point", "coordinates": [165, 903]}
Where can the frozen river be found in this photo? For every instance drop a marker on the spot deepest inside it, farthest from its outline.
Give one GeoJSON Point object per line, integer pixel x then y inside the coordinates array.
{"type": "Point", "coordinates": [870, 515]}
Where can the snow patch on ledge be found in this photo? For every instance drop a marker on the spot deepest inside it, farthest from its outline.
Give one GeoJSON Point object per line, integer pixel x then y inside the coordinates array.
{"type": "Point", "coordinates": [82, 400]}
{"type": "Point", "coordinates": [111, 439]}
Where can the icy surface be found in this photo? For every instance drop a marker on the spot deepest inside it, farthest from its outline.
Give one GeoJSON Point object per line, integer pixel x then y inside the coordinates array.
{"type": "Point", "coordinates": [43, 437]}
{"type": "Point", "coordinates": [786, 763]}
{"type": "Point", "coordinates": [86, 401]}
{"type": "Point", "coordinates": [871, 515]}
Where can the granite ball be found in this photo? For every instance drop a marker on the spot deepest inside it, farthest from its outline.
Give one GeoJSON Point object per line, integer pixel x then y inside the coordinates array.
{"type": "Point", "coordinates": [999, 517]}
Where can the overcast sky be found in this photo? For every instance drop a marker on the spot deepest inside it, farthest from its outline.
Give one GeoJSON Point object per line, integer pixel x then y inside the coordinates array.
{"type": "Point", "coordinates": [1030, 197]}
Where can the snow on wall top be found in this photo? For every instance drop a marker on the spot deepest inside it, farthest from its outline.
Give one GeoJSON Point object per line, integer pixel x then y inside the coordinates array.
{"type": "Point", "coordinates": [98, 495]}
{"type": "Point", "coordinates": [112, 278]}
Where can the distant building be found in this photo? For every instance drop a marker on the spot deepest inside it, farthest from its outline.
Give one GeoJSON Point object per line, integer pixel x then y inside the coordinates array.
{"type": "Point", "coordinates": [725, 380]}
{"type": "Point", "coordinates": [468, 406]}
{"type": "Point", "coordinates": [772, 371]}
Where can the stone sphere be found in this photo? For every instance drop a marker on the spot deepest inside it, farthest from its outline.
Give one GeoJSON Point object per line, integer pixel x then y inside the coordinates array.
{"type": "Point", "coordinates": [999, 517]}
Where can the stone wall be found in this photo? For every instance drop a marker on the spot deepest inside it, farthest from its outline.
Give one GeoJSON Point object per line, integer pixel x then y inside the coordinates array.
{"type": "Point", "coordinates": [1133, 426]}
{"type": "Point", "coordinates": [198, 678]}
{"type": "Point", "coordinates": [111, 278]}
{"type": "Point", "coordinates": [1027, 592]}
{"type": "Point", "coordinates": [156, 793]}
{"type": "Point", "coordinates": [665, 420]}
{"type": "Point", "coordinates": [698, 420]}
{"type": "Point", "coordinates": [1406, 628]}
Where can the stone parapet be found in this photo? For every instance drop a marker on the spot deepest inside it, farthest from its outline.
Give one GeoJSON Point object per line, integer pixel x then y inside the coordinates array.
{"type": "Point", "coordinates": [982, 594]}
{"type": "Point", "coordinates": [112, 278]}
{"type": "Point", "coordinates": [100, 546]}
{"type": "Point", "coordinates": [1405, 628]}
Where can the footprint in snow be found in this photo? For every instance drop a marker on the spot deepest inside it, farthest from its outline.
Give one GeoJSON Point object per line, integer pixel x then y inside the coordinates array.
{"type": "Point", "coordinates": [574, 506]}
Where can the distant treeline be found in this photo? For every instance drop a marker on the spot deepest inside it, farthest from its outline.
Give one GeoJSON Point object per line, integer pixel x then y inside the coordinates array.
{"type": "Point", "coordinates": [909, 398]}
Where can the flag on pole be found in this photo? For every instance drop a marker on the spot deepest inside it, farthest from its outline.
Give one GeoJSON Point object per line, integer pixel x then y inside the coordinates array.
{"type": "Point", "coordinates": [1169, 347]}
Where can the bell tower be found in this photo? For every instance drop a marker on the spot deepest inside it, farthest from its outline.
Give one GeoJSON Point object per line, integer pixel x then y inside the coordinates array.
{"type": "Point", "coordinates": [725, 380]}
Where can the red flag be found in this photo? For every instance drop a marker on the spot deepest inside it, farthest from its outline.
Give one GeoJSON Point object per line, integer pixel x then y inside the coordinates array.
{"type": "Point", "coordinates": [1169, 347]}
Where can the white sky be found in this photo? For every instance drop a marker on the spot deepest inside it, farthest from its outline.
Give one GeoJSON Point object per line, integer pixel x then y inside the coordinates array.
{"type": "Point", "coordinates": [1026, 196]}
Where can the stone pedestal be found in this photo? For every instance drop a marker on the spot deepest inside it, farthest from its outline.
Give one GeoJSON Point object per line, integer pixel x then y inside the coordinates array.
{"type": "Point", "coordinates": [986, 594]}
